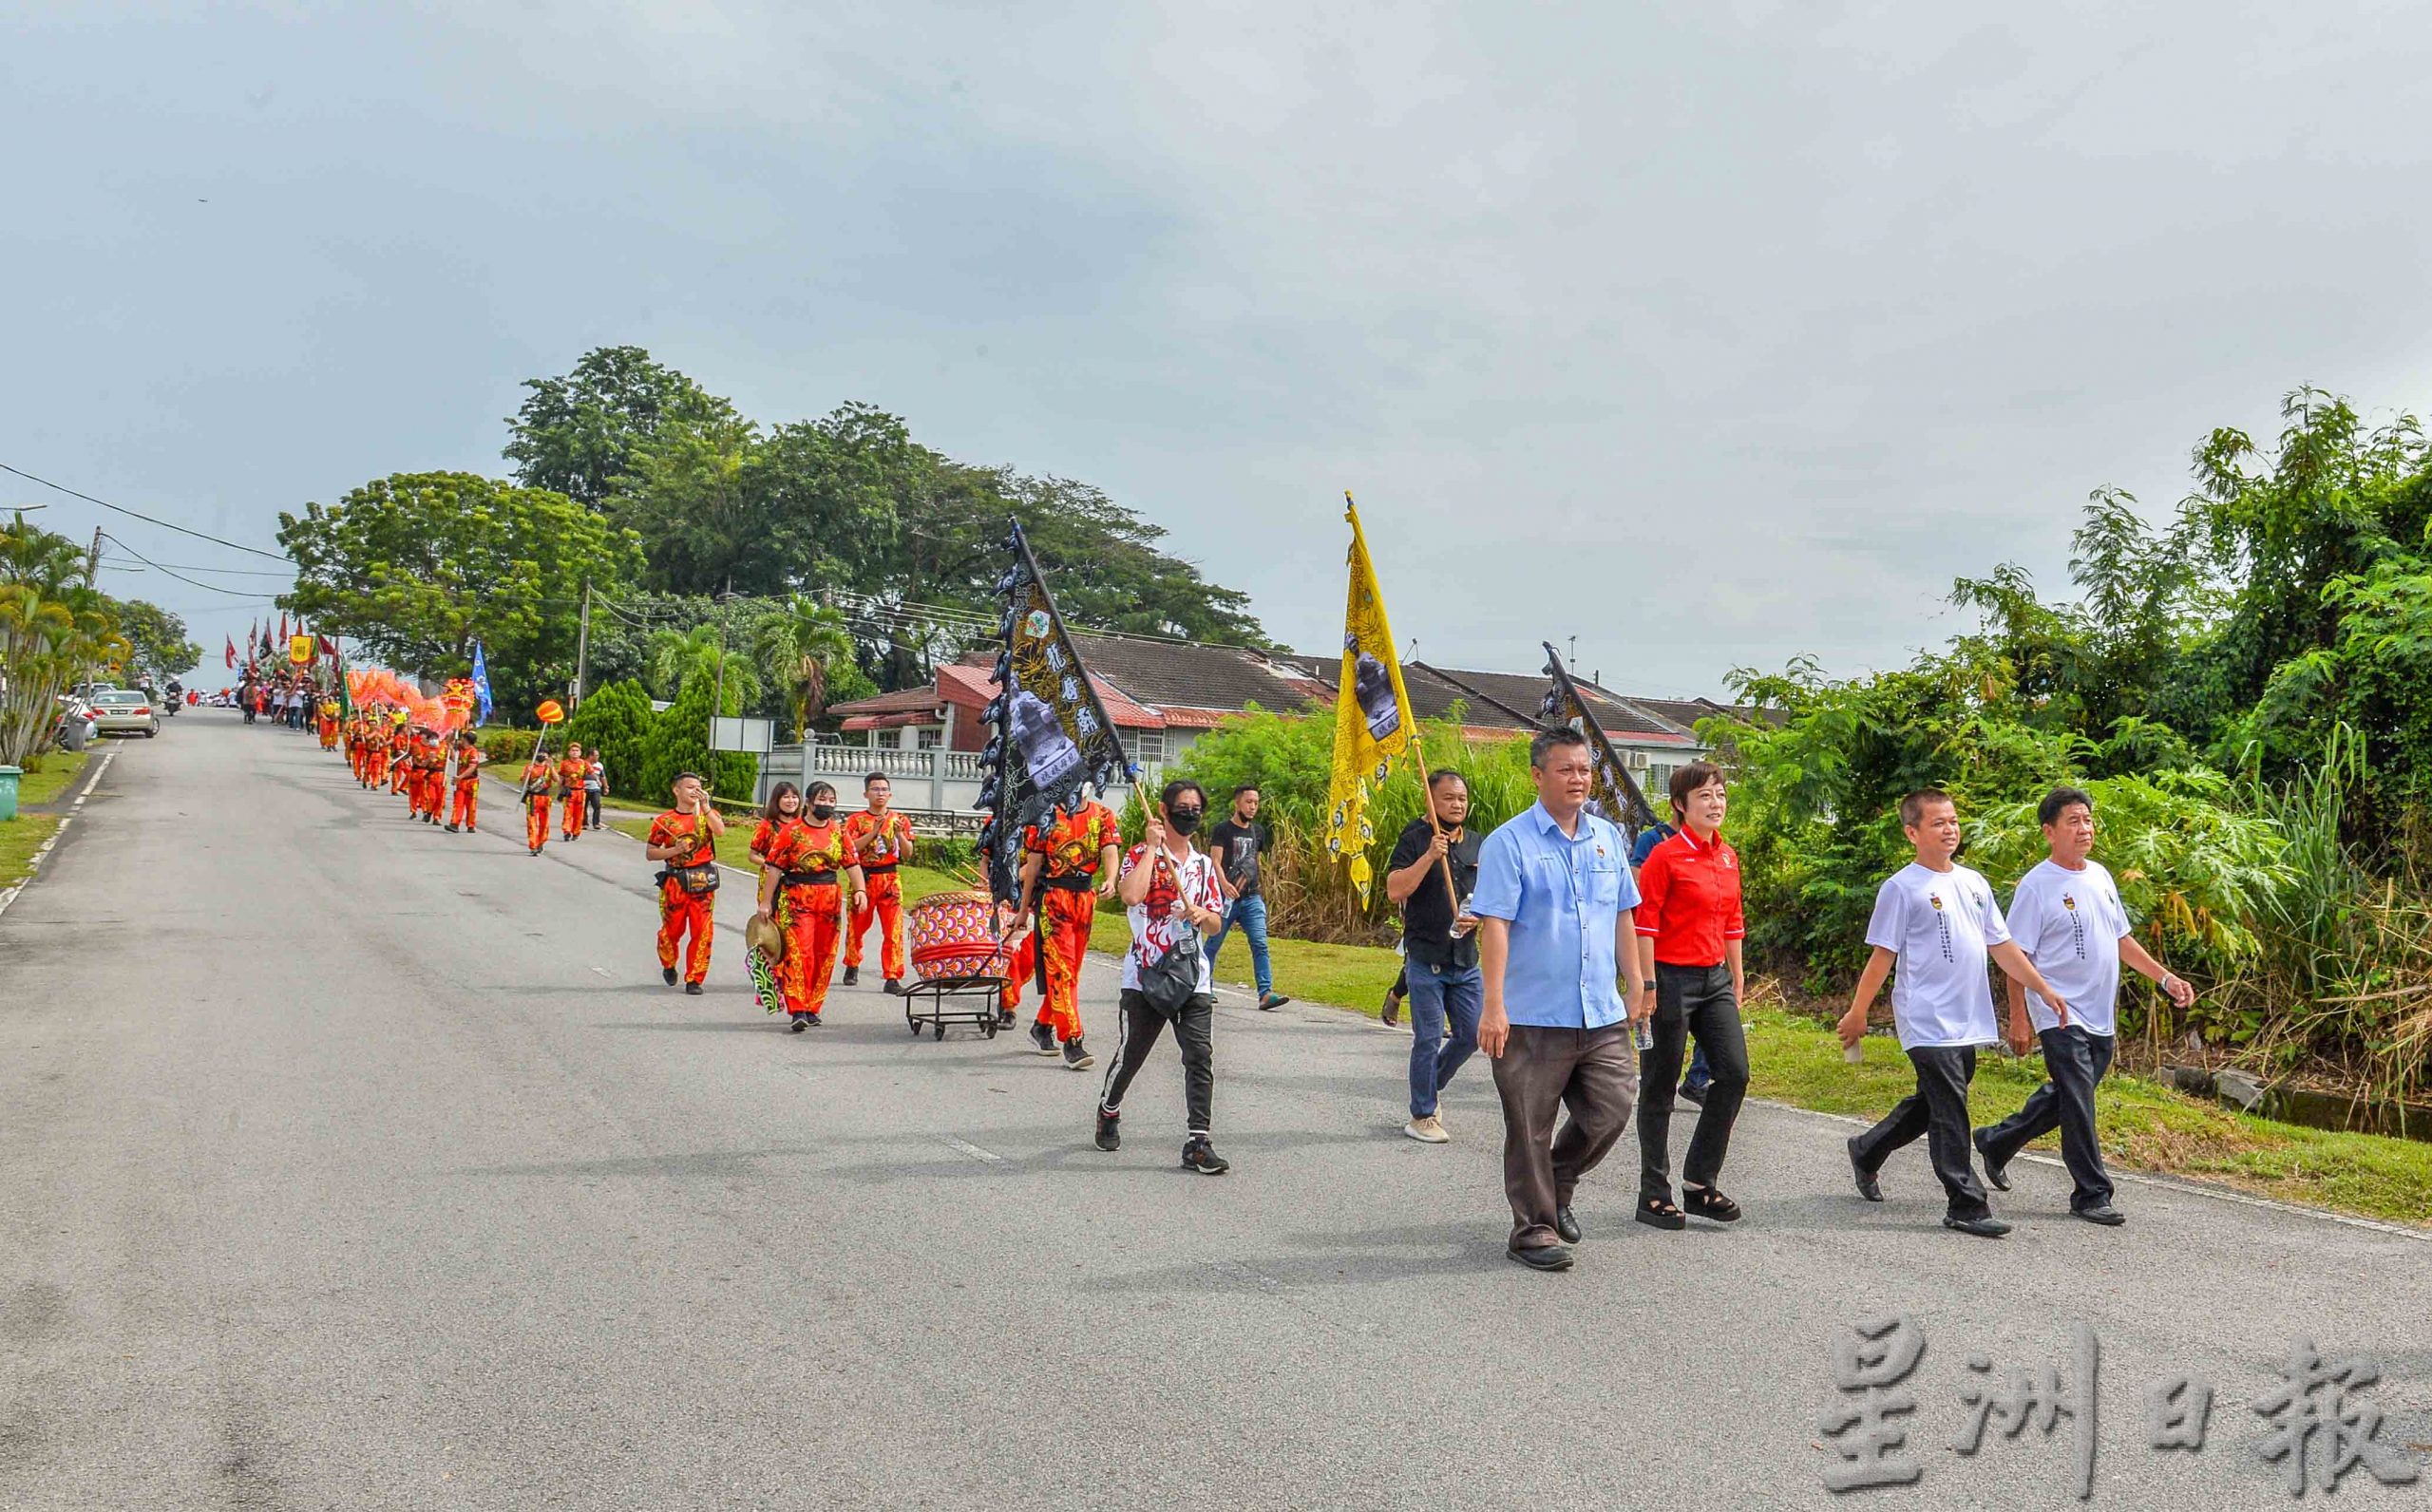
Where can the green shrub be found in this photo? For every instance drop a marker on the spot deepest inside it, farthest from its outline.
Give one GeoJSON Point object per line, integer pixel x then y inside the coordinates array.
{"type": "Point", "coordinates": [503, 745]}
{"type": "Point", "coordinates": [678, 741]}
{"type": "Point", "coordinates": [615, 721]}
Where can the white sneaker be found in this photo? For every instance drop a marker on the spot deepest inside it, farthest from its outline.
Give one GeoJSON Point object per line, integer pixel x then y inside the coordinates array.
{"type": "Point", "coordinates": [1428, 1130]}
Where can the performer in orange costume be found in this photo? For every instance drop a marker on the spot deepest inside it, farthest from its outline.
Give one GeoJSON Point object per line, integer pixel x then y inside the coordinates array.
{"type": "Point", "coordinates": [570, 774]}
{"type": "Point", "coordinates": [469, 783]}
{"type": "Point", "coordinates": [538, 775]}
{"type": "Point", "coordinates": [375, 754]}
{"type": "Point", "coordinates": [1065, 871]}
{"type": "Point", "coordinates": [329, 712]}
{"type": "Point", "coordinates": [806, 861]}
{"type": "Point", "coordinates": [882, 838]}
{"type": "Point", "coordinates": [685, 837]}
{"type": "Point", "coordinates": [400, 744]}
{"type": "Point", "coordinates": [430, 770]}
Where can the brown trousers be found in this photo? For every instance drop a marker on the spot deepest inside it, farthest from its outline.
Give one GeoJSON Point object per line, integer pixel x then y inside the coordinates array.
{"type": "Point", "coordinates": [1595, 1073]}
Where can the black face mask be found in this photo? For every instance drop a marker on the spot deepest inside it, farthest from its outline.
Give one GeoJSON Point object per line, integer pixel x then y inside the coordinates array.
{"type": "Point", "coordinates": [1184, 821]}
{"type": "Point", "coordinates": [823, 812]}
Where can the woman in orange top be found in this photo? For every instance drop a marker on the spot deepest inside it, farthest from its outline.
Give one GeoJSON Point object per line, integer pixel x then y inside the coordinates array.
{"type": "Point", "coordinates": [800, 871]}
{"type": "Point", "coordinates": [785, 802]}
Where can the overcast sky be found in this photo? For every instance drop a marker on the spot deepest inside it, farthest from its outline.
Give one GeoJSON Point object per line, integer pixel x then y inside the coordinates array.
{"type": "Point", "coordinates": [1710, 333]}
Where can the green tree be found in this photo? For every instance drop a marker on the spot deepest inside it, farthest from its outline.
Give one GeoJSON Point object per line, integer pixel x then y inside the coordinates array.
{"type": "Point", "coordinates": [615, 721]}
{"type": "Point", "coordinates": [54, 630]}
{"type": "Point", "coordinates": [807, 653]}
{"type": "Point", "coordinates": [578, 434]}
{"type": "Point", "coordinates": [161, 650]}
{"type": "Point", "coordinates": [680, 738]}
{"type": "Point", "coordinates": [417, 566]}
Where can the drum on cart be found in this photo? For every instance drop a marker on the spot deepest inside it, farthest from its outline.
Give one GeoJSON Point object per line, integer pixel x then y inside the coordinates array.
{"type": "Point", "coordinates": [958, 969]}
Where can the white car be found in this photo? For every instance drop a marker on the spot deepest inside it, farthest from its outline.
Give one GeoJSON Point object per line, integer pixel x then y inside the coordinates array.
{"type": "Point", "coordinates": [123, 712]}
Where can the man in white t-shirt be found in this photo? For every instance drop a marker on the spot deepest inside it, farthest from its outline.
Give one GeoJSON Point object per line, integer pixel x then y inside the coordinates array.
{"type": "Point", "coordinates": [2067, 917]}
{"type": "Point", "coordinates": [1939, 921]}
{"type": "Point", "coordinates": [1171, 897]}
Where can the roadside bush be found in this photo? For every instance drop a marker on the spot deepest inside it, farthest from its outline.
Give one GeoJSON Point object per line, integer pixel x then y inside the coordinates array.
{"type": "Point", "coordinates": [679, 741]}
{"type": "Point", "coordinates": [615, 721]}
{"type": "Point", "coordinates": [503, 747]}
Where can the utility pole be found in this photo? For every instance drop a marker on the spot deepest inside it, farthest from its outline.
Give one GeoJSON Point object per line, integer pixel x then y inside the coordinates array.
{"type": "Point", "coordinates": [582, 648]}
{"type": "Point", "coordinates": [93, 558]}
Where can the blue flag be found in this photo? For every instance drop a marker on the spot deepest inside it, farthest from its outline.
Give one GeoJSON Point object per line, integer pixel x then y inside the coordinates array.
{"type": "Point", "coordinates": [481, 685]}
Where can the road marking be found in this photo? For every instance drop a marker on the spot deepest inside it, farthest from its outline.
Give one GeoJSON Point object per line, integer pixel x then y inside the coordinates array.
{"type": "Point", "coordinates": [34, 867]}
{"type": "Point", "coordinates": [602, 970]}
{"type": "Point", "coordinates": [967, 1147]}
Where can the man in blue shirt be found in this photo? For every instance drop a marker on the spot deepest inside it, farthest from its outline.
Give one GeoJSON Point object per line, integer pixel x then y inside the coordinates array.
{"type": "Point", "coordinates": [1556, 903]}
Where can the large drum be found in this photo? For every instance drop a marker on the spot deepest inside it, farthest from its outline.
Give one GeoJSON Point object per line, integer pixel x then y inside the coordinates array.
{"type": "Point", "coordinates": [951, 936]}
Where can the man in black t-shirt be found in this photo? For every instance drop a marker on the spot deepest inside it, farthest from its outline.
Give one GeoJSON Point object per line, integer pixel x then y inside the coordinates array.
{"type": "Point", "coordinates": [1439, 946]}
{"type": "Point", "coordinates": [1238, 845]}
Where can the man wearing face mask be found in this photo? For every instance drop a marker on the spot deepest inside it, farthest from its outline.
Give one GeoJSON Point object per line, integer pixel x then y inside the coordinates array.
{"type": "Point", "coordinates": [1172, 897]}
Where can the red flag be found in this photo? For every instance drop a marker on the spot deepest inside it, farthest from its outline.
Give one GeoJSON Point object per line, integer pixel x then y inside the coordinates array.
{"type": "Point", "coordinates": [329, 647]}
{"type": "Point", "coordinates": [232, 654]}
{"type": "Point", "coordinates": [282, 627]}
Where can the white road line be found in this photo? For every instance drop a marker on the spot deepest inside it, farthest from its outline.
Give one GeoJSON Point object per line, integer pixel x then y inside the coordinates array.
{"type": "Point", "coordinates": [34, 867]}
{"type": "Point", "coordinates": [967, 1147]}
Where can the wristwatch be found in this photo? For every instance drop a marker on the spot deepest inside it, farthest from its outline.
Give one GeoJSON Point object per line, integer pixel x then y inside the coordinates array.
{"type": "Point", "coordinates": [1648, 985]}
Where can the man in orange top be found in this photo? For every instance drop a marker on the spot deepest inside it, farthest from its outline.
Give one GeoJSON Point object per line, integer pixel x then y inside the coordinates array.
{"type": "Point", "coordinates": [538, 775]}
{"type": "Point", "coordinates": [882, 838]}
{"type": "Point", "coordinates": [685, 837]}
{"type": "Point", "coordinates": [571, 772]}
{"type": "Point", "coordinates": [1066, 869]}
{"type": "Point", "coordinates": [469, 783]}
{"type": "Point", "coordinates": [430, 770]}
{"type": "Point", "coordinates": [328, 725]}
{"type": "Point", "coordinates": [375, 753]}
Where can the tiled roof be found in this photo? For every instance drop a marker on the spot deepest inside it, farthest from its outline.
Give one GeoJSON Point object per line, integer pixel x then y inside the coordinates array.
{"type": "Point", "coordinates": [1622, 718]}
{"type": "Point", "coordinates": [1177, 674]}
{"type": "Point", "coordinates": [974, 675]}
{"type": "Point", "coordinates": [907, 700]}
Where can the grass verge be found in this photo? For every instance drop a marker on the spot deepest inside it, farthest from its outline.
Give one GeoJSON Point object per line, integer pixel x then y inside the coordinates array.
{"type": "Point", "coordinates": [59, 769]}
{"type": "Point", "coordinates": [19, 839]}
{"type": "Point", "coordinates": [2146, 1126]}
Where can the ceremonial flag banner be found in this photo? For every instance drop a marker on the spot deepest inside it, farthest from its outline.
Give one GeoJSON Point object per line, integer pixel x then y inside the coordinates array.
{"type": "Point", "coordinates": [1371, 720]}
{"type": "Point", "coordinates": [1051, 734]}
{"type": "Point", "coordinates": [300, 650]}
{"type": "Point", "coordinates": [232, 651]}
{"type": "Point", "coordinates": [1611, 791]}
{"type": "Point", "coordinates": [480, 684]}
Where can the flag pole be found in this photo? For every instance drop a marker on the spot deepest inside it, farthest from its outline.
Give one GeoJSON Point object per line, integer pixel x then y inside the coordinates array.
{"type": "Point", "coordinates": [1418, 753]}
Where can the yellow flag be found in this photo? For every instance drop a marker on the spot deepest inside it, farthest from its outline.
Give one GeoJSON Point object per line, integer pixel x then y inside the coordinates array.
{"type": "Point", "coordinates": [1372, 723]}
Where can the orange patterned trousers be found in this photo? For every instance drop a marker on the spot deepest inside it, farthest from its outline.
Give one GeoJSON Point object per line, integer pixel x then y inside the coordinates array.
{"type": "Point", "coordinates": [810, 916]}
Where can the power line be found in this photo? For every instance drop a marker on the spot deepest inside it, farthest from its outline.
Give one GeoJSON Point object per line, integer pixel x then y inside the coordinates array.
{"type": "Point", "coordinates": [181, 576]}
{"type": "Point", "coordinates": [224, 571]}
{"type": "Point", "coordinates": [136, 514]}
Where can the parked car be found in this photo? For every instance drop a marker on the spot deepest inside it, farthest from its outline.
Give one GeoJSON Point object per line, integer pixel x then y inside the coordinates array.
{"type": "Point", "coordinates": [123, 712]}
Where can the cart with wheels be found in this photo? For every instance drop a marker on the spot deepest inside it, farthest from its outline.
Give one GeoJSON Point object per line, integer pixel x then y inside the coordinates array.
{"type": "Point", "coordinates": [957, 966]}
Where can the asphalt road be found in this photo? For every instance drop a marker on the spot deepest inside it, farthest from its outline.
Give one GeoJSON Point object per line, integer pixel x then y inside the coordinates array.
{"type": "Point", "coordinates": [345, 1163]}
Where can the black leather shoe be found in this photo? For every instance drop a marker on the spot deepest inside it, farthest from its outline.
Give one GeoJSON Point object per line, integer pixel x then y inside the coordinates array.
{"type": "Point", "coordinates": [693, 989]}
{"type": "Point", "coordinates": [1867, 1188]}
{"type": "Point", "coordinates": [668, 972]}
{"type": "Point", "coordinates": [1997, 1172]}
{"type": "Point", "coordinates": [1984, 1228]}
{"type": "Point", "coordinates": [895, 985]}
{"type": "Point", "coordinates": [1110, 1130]}
{"type": "Point", "coordinates": [1543, 1257]}
{"type": "Point", "coordinates": [852, 975]}
{"type": "Point", "coordinates": [799, 1024]}
{"type": "Point", "coordinates": [1566, 1225]}
{"type": "Point", "coordinates": [2102, 1212]}
{"type": "Point", "coordinates": [1694, 1096]}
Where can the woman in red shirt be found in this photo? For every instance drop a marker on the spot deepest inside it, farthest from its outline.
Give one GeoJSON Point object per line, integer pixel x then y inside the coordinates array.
{"type": "Point", "coordinates": [1689, 907]}
{"type": "Point", "coordinates": [802, 870]}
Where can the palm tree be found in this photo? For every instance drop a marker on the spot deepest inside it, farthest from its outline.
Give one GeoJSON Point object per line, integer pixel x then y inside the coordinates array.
{"type": "Point", "coordinates": [672, 657]}
{"type": "Point", "coordinates": [798, 645]}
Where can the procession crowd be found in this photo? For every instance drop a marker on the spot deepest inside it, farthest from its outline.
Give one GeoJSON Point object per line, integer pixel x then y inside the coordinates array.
{"type": "Point", "coordinates": [1586, 980]}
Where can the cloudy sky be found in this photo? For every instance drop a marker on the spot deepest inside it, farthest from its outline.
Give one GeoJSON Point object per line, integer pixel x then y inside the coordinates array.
{"type": "Point", "coordinates": [1710, 333]}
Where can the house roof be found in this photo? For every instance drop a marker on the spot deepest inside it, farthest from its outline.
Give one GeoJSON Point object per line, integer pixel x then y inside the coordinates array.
{"type": "Point", "coordinates": [1622, 718]}
{"type": "Point", "coordinates": [1181, 675]}
{"type": "Point", "coordinates": [972, 684]}
{"type": "Point", "coordinates": [905, 700]}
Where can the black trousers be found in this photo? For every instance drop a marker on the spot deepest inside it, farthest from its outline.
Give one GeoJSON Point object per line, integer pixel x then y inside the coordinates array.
{"type": "Point", "coordinates": [2076, 1061]}
{"type": "Point", "coordinates": [1937, 1109]}
{"type": "Point", "coordinates": [1690, 1001]}
{"type": "Point", "coordinates": [1194, 1030]}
